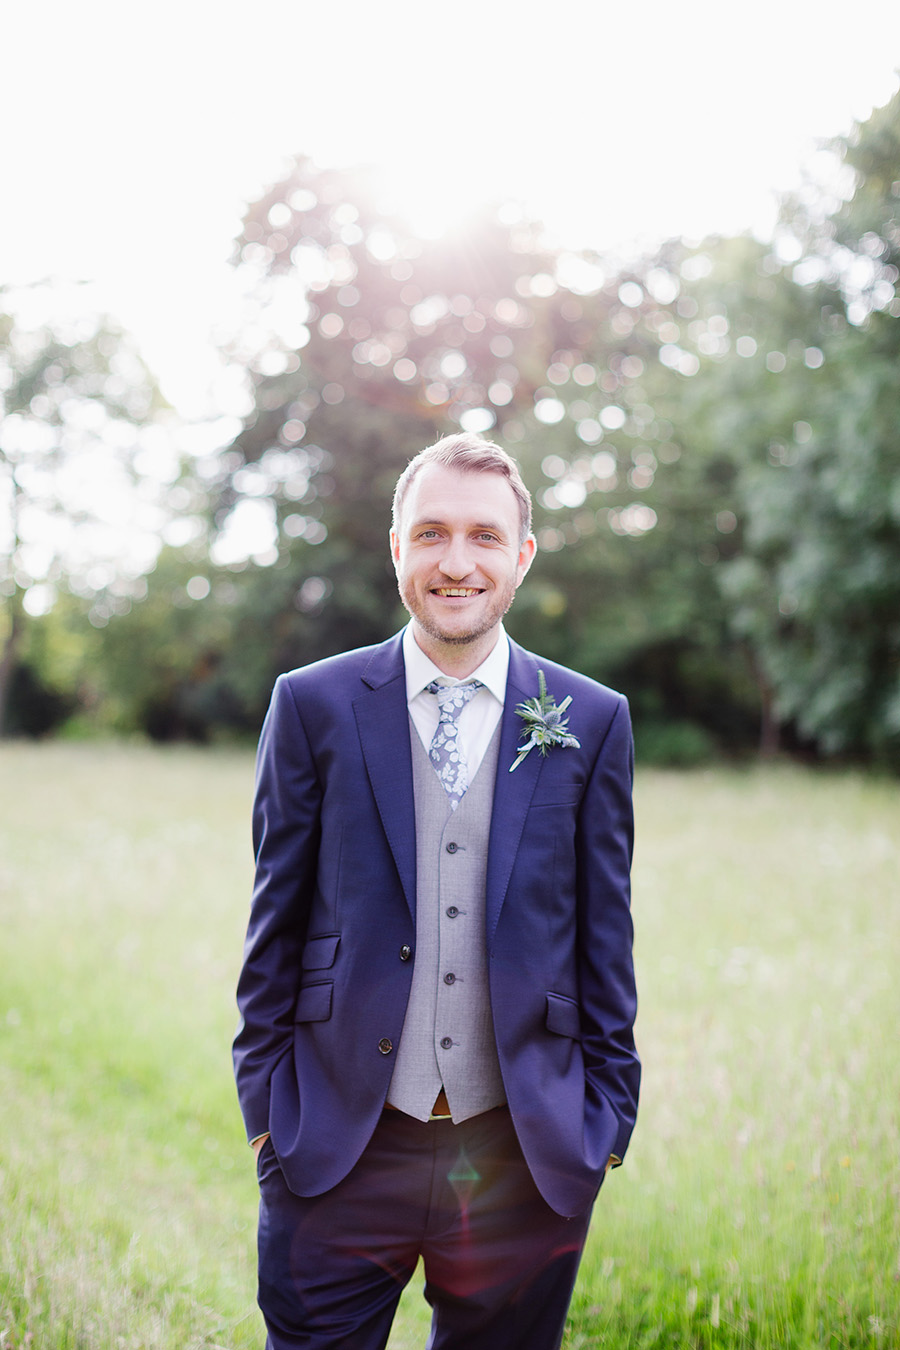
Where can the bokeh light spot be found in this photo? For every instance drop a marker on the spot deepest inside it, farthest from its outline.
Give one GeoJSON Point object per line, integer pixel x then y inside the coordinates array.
{"type": "Point", "coordinates": [313, 593]}
{"type": "Point", "coordinates": [331, 325]}
{"type": "Point", "coordinates": [557, 373]}
{"type": "Point", "coordinates": [631, 294]}
{"type": "Point", "coordinates": [633, 520]}
{"type": "Point", "coordinates": [550, 540]}
{"type": "Point", "coordinates": [612, 417]}
{"type": "Point", "coordinates": [477, 420]}
{"type": "Point", "coordinates": [662, 285]}
{"type": "Point", "coordinates": [500, 393]}
{"type": "Point", "coordinates": [198, 588]}
{"type": "Point", "coordinates": [453, 365]}
{"type": "Point", "coordinates": [570, 492]}
{"type": "Point", "coordinates": [604, 466]}
{"type": "Point", "coordinates": [303, 199]}
{"type": "Point", "coordinates": [589, 430]}
{"type": "Point", "coordinates": [549, 411]}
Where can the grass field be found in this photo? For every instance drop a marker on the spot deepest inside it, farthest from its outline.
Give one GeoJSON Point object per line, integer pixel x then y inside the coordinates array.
{"type": "Point", "coordinates": [760, 1202]}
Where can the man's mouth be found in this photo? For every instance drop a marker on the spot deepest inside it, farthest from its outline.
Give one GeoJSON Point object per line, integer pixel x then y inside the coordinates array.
{"type": "Point", "coordinates": [453, 592]}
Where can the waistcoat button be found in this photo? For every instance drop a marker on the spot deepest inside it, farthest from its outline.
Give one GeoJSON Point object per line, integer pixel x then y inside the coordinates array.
{"type": "Point", "coordinates": [452, 848]}
{"type": "Point", "coordinates": [385, 1046]}
{"type": "Point", "coordinates": [446, 1042]}
{"type": "Point", "coordinates": [405, 952]}
{"type": "Point", "coordinates": [452, 912]}
{"type": "Point", "coordinates": [449, 978]}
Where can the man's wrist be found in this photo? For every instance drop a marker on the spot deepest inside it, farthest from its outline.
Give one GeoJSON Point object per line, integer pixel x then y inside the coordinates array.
{"type": "Point", "coordinates": [257, 1142]}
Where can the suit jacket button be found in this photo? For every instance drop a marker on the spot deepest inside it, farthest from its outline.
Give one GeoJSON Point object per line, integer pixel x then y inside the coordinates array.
{"type": "Point", "coordinates": [452, 848]}
{"type": "Point", "coordinates": [385, 1046]}
{"type": "Point", "coordinates": [405, 952]}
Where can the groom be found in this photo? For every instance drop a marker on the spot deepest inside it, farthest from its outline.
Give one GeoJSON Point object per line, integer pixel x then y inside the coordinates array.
{"type": "Point", "coordinates": [435, 1057]}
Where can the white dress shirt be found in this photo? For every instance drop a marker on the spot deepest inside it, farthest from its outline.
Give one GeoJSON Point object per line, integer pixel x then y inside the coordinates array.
{"type": "Point", "coordinates": [478, 719]}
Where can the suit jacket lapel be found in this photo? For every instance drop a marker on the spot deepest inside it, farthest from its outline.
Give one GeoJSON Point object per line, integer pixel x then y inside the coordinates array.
{"type": "Point", "coordinates": [382, 718]}
{"type": "Point", "coordinates": [513, 791]}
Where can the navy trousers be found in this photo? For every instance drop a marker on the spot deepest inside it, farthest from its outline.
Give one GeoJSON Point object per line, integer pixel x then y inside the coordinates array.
{"type": "Point", "coordinates": [500, 1264]}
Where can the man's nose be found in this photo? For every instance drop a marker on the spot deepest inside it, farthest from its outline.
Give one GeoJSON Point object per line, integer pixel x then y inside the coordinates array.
{"type": "Point", "coordinates": [456, 560]}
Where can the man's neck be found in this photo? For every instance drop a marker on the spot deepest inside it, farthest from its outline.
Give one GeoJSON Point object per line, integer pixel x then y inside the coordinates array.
{"type": "Point", "coordinates": [456, 659]}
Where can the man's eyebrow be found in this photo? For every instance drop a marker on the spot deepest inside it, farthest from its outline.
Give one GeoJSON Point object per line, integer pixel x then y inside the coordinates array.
{"type": "Point", "coordinates": [427, 522]}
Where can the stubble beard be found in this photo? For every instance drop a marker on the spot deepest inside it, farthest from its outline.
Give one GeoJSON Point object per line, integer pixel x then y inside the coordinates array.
{"type": "Point", "coordinates": [492, 616]}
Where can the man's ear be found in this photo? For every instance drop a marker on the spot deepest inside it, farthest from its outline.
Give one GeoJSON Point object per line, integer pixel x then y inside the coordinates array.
{"type": "Point", "coordinates": [526, 558]}
{"type": "Point", "coordinates": [395, 548]}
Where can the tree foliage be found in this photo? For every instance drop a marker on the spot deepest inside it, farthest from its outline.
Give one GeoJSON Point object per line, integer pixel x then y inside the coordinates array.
{"type": "Point", "coordinates": [75, 400]}
{"type": "Point", "coordinates": [365, 343]}
{"type": "Point", "coordinates": [709, 433]}
{"type": "Point", "coordinates": [815, 589]}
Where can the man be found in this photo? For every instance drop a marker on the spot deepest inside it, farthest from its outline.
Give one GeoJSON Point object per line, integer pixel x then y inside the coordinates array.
{"type": "Point", "coordinates": [436, 1055]}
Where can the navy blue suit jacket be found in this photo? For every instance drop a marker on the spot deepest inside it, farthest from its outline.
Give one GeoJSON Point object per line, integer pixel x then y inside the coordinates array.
{"type": "Point", "coordinates": [323, 990]}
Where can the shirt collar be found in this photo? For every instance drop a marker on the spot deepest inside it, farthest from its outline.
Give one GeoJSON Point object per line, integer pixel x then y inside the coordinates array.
{"type": "Point", "coordinates": [421, 670]}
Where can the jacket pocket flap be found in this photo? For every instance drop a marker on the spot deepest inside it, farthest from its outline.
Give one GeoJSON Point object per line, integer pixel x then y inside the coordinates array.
{"type": "Point", "coordinates": [563, 1016]}
{"type": "Point", "coordinates": [314, 1003]}
{"type": "Point", "coordinates": [319, 952]}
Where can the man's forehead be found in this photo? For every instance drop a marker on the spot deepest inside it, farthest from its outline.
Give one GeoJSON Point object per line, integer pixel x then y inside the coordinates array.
{"type": "Point", "coordinates": [437, 486]}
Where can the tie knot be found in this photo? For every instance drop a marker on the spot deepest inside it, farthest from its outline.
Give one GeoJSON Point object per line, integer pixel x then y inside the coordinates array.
{"type": "Point", "coordinates": [452, 698]}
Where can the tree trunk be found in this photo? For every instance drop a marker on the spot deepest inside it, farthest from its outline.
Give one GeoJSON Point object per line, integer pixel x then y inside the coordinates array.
{"type": "Point", "coordinates": [10, 655]}
{"type": "Point", "coordinates": [769, 727]}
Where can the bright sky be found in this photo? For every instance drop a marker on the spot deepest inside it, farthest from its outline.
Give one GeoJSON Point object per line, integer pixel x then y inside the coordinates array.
{"type": "Point", "coordinates": [134, 131]}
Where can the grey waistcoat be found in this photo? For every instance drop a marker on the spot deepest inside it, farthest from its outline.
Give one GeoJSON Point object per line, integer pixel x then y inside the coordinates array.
{"type": "Point", "coordinates": [448, 1034]}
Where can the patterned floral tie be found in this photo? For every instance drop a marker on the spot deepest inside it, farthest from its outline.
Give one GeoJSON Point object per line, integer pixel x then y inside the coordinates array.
{"type": "Point", "coordinates": [446, 753]}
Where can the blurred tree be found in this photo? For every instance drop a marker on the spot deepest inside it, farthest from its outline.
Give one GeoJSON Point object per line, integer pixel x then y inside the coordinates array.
{"type": "Point", "coordinates": [710, 442]}
{"type": "Point", "coordinates": [750, 334]}
{"type": "Point", "coordinates": [160, 668]}
{"type": "Point", "coordinates": [364, 344]}
{"type": "Point", "coordinates": [631, 572]}
{"type": "Point", "coordinates": [77, 403]}
{"type": "Point", "coordinates": [815, 592]}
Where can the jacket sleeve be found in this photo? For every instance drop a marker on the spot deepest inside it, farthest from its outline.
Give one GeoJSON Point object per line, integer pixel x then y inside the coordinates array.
{"type": "Point", "coordinates": [286, 829]}
{"type": "Point", "coordinates": [605, 838]}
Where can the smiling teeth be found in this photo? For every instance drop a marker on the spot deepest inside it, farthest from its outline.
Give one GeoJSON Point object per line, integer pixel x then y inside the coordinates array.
{"type": "Point", "coordinates": [457, 590]}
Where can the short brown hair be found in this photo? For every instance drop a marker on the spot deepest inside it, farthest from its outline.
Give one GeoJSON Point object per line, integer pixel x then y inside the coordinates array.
{"type": "Point", "coordinates": [468, 454]}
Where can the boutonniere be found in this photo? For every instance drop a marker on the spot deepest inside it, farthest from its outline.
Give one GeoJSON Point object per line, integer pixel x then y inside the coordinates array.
{"type": "Point", "coordinates": [544, 723]}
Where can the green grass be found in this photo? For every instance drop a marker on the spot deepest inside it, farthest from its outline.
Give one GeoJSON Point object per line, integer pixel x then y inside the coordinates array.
{"type": "Point", "coordinates": [759, 1203]}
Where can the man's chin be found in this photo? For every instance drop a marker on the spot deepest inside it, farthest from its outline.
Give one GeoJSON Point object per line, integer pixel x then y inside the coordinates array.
{"type": "Point", "coordinates": [457, 637]}
{"type": "Point", "coordinates": [461, 638]}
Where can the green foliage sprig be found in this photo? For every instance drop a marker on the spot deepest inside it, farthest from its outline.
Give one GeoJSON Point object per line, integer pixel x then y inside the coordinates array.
{"type": "Point", "coordinates": [544, 723]}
